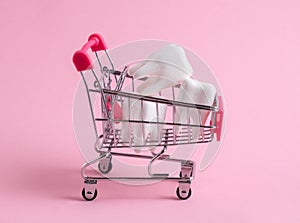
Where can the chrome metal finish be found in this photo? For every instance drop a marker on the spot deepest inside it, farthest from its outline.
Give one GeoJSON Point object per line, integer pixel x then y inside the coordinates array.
{"type": "Point", "coordinates": [156, 157]}
{"type": "Point", "coordinates": [99, 62]}
{"type": "Point", "coordinates": [110, 138]}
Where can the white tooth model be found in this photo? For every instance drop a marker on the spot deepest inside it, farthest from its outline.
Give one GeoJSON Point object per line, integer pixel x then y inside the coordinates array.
{"type": "Point", "coordinates": [134, 110]}
{"type": "Point", "coordinates": [165, 68]}
{"type": "Point", "coordinates": [195, 92]}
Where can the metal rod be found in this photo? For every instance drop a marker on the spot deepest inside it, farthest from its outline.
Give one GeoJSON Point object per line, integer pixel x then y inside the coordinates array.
{"type": "Point", "coordinates": [160, 123]}
{"type": "Point", "coordinates": [99, 62]}
{"type": "Point", "coordinates": [157, 119]}
{"type": "Point", "coordinates": [102, 93]}
{"type": "Point", "coordinates": [159, 100]}
{"type": "Point", "coordinates": [157, 157]}
{"type": "Point", "coordinates": [163, 177]}
{"type": "Point", "coordinates": [173, 112]}
{"type": "Point", "coordinates": [111, 63]}
{"type": "Point", "coordinates": [143, 125]}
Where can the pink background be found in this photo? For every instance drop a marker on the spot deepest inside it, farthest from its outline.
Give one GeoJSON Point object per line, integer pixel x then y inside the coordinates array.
{"type": "Point", "coordinates": [253, 48]}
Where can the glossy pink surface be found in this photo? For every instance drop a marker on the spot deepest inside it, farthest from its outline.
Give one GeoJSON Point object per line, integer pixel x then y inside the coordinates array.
{"type": "Point", "coordinates": [253, 48]}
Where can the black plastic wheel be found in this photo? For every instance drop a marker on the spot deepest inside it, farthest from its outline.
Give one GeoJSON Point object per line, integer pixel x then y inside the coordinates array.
{"type": "Point", "coordinates": [105, 171]}
{"type": "Point", "coordinates": [86, 198]}
{"type": "Point", "coordinates": [188, 194]}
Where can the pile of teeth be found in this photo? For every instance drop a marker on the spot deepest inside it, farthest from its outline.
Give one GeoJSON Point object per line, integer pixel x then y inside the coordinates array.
{"type": "Point", "coordinates": [165, 68]}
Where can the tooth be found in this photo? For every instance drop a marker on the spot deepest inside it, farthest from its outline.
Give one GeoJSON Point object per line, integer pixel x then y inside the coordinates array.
{"type": "Point", "coordinates": [151, 130]}
{"type": "Point", "coordinates": [125, 131]}
{"type": "Point", "coordinates": [169, 66]}
{"type": "Point", "coordinates": [140, 132]}
{"type": "Point", "coordinates": [156, 129]}
{"type": "Point", "coordinates": [128, 105]}
{"type": "Point", "coordinates": [196, 92]}
{"type": "Point", "coordinates": [164, 68]}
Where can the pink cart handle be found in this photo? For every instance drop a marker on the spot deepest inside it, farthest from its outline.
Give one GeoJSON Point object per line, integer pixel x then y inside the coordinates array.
{"type": "Point", "coordinates": [219, 119]}
{"type": "Point", "coordinates": [81, 59]}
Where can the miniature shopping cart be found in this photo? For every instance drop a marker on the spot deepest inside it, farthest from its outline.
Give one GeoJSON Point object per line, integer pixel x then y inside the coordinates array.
{"type": "Point", "coordinates": [108, 84]}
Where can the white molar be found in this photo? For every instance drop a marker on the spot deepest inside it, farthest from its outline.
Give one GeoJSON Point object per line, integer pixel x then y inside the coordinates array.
{"type": "Point", "coordinates": [132, 109]}
{"type": "Point", "coordinates": [196, 92]}
{"type": "Point", "coordinates": [164, 68]}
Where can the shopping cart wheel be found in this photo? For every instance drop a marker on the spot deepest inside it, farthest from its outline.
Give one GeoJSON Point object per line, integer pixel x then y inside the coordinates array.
{"type": "Point", "coordinates": [184, 190]}
{"type": "Point", "coordinates": [183, 195]}
{"type": "Point", "coordinates": [89, 195]}
{"type": "Point", "coordinates": [105, 167]}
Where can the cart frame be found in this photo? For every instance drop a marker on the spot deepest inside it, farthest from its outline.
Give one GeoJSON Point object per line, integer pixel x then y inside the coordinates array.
{"type": "Point", "coordinates": [110, 139]}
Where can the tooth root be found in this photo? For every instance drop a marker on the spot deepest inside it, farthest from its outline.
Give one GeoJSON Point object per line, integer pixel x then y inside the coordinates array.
{"type": "Point", "coordinates": [125, 132]}
{"type": "Point", "coordinates": [156, 129]}
{"type": "Point", "coordinates": [141, 131]}
{"type": "Point", "coordinates": [195, 92]}
{"type": "Point", "coordinates": [180, 117]}
{"type": "Point", "coordinates": [127, 112]}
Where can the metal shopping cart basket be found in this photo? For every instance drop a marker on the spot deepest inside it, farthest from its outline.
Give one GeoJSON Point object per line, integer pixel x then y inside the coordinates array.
{"type": "Point", "coordinates": [108, 123]}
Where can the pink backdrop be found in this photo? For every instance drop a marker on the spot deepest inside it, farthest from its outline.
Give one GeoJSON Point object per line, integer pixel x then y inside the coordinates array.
{"type": "Point", "coordinates": [253, 48]}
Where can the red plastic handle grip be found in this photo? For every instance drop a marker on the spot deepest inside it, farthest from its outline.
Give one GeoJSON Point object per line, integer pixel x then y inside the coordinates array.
{"type": "Point", "coordinates": [81, 59]}
{"type": "Point", "coordinates": [219, 119]}
{"type": "Point", "coordinates": [100, 44]}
